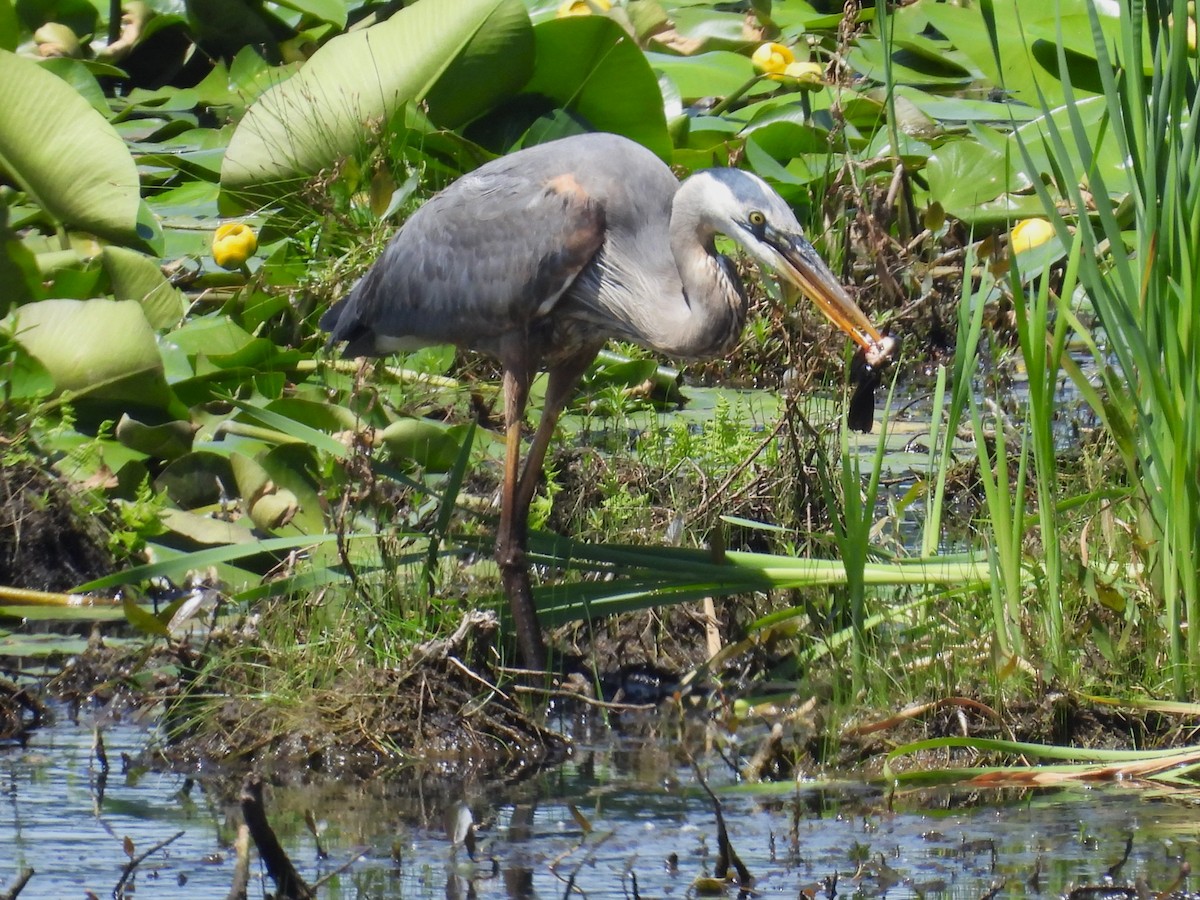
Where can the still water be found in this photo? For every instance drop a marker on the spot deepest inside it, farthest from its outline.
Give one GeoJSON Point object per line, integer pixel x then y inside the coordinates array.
{"type": "Point", "coordinates": [621, 808]}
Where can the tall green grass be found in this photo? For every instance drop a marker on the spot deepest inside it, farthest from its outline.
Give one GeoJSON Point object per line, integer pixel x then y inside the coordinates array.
{"type": "Point", "coordinates": [1140, 265]}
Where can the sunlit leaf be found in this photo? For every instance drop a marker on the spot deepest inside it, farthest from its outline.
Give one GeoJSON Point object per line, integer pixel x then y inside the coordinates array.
{"type": "Point", "coordinates": [306, 123]}
{"type": "Point", "coordinates": [65, 154]}
{"type": "Point", "coordinates": [137, 277]}
{"type": "Point", "coordinates": [331, 11]}
{"type": "Point", "coordinates": [99, 349]}
{"type": "Point", "coordinates": [579, 58]}
{"type": "Point", "coordinates": [167, 441]}
{"type": "Point", "coordinates": [206, 529]}
{"type": "Point", "coordinates": [145, 621]}
{"type": "Point", "coordinates": [715, 74]}
{"type": "Point", "coordinates": [197, 479]}
{"type": "Point", "coordinates": [432, 445]}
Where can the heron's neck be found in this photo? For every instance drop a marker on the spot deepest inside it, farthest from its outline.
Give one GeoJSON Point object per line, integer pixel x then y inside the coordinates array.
{"type": "Point", "coordinates": [715, 305]}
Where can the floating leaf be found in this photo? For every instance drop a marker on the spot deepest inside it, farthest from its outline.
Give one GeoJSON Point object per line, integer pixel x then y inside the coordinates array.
{"type": "Point", "coordinates": [145, 621]}
{"type": "Point", "coordinates": [135, 276]}
{"type": "Point", "coordinates": [316, 117]}
{"type": "Point", "coordinates": [167, 441]}
{"type": "Point", "coordinates": [430, 444]}
{"type": "Point", "coordinates": [97, 349]}
{"type": "Point", "coordinates": [65, 154]}
{"type": "Point", "coordinates": [580, 58]}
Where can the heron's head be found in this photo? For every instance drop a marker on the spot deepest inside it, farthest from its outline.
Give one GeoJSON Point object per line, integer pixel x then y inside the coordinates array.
{"type": "Point", "coordinates": [744, 207]}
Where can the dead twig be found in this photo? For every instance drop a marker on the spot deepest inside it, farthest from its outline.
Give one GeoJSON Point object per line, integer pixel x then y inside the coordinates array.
{"type": "Point", "coordinates": [559, 693]}
{"type": "Point", "coordinates": [340, 869]}
{"type": "Point", "coordinates": [18, 885]}
{"type": "Point", "coordinates": [139, 859]}
{"type": "Point", "coordinates": [241, 866]}
{"type": "Point", "coordinates": [726, 855]}
{"type": "Point", "coordinates": [287, 880]}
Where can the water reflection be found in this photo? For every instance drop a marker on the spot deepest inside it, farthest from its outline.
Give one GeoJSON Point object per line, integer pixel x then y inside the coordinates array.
{"type": "Point", "coordinates": [624, 818]}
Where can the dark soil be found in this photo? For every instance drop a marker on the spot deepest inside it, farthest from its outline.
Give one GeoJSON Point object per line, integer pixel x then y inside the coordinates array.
{"type": "Point", "coordinates": [45, 543]}
{"type": "Point", "coordinates": [438, 714]}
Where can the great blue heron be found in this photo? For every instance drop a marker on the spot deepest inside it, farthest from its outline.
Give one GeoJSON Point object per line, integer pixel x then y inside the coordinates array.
{"type": "Point", "coordinates": [539, 257]}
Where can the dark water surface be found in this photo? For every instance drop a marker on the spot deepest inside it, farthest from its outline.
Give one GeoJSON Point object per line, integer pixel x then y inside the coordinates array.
{"type": "Point", "coordinates": [640, 801]}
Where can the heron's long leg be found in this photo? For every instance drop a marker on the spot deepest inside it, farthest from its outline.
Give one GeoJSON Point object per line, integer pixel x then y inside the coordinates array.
{"type": "Point", "coordinates": [510, 536]}
{"type": "Point", "coordinates": [564, 378]}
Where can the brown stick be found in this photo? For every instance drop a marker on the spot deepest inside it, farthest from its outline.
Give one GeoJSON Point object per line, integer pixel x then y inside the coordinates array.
{"type": "Point", "coordinates": [22, 880]}
{"type": "Point", "coordinates": [137, 861]}
{"type": "Point", "coordinates": [241, 867]}
{"type": "Point", "coordinates": [287, 880]}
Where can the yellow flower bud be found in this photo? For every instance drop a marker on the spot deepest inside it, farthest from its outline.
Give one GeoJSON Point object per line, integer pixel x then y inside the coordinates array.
{"type": "Point", "coordinates": [233, 243]}
{"type": "Point", "coordinates": [1030, 233]}
{"type": "Point", "coordinates": [772, 59]}
{"type": "Point", "coordinates": [809, 75]}
{"type": "Point", "coordinates": [583, 7]}
{"type": "Point", "coordinates": [57, 40]}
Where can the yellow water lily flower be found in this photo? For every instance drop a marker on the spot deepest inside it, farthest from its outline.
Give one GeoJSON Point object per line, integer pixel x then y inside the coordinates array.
{"type": "Point", "coordinates": [809, 75]}
{"type": "Point", "coordinates": [583, 7]}
{"type": "Point", "coordinates": [772, 59]}
{"type": "Point", "coordinates": [1030, 233]}
{"type": "Point", "coordinates": [233, 243]}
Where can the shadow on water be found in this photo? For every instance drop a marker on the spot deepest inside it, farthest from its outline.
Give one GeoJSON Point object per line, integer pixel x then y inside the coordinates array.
{"type": "Point", "coordinates": [624, 818]}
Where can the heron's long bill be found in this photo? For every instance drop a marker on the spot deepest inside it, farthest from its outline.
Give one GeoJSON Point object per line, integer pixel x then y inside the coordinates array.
{"type": "Point", "coordinates": [802, 266]}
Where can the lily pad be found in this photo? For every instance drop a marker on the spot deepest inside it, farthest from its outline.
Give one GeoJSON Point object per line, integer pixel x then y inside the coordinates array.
{"type": "Point", "coordinates": [135, 276]}
{"type": "Point", "coordinates": [580, 58]}
{"type": "Point", "coordinates": [306, 123]}
{"type": "Point", "coordinates": [65, 154]}
{"type": "Point", "coordinates": [98, 350]}
{"type": "Point", "coordinates": [432, 445]}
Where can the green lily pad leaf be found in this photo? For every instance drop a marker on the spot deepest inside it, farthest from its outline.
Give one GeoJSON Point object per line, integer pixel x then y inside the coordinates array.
{"type": "Point", "coordinates": [167, 441]}
{"type": "Point", "coordinates": [20, 277]}
{"type": "Point", "coordinates": [322, 416]}
{"type": "Point", "coordinates": [142, 619]}
{"type": "Point", "coordinates": [868, 57]}
{"type": "Point", "coordinates": [10, 28]}
{"type": "Point", "coordinates": [25, 378]}
{"type": "Point", "coordinates": [197, 479]}
{"type": "Point", "coordinates": [269, 504]}
{"type": "Point", "coordinates": [331, 11]}
{"type": "Point", "coordinates": [75, 73]}
{"type": "Point", "coordinates": [316, 117]}
{"type": "Point", "coordinates": [1027, 34]}
{"type": "Point", "coordinates": [432, 445]}
{"type": "Point", "coordinates": [710, 29]}
{"type": "Point", "coordinates": [1104, 151]}
{"type": "Point", "coordinates": [250, 478]}
{"type": "Point", "coordinates": [274, 509]}
{"type": "Point", "coordinates": [715, 74]}
{"type": "Point", "coordinates": [494, 65]}
{"type": "Point", "coordinates": [205, 529]}
{"type": "Point", "coordinates": [65, 154]}
{"type": "Point", "coordinates": [187, 203]}
{"type": "Point", "coordinates": [963, 174]}
{"type": "Point", "coordinates": [215, 336]}
{"type": "Point", "coordinates": [101, 350]}
{"type": "Point", "coordinates": [290, 467]}
{"type": "Point", "coordinates": [580, 58]}
{"type": "Point", "coordinates": [135, 276]}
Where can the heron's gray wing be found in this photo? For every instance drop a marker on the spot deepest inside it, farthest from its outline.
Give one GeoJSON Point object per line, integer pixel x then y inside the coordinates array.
{"type": "Point", "coordinates": [485, 257]}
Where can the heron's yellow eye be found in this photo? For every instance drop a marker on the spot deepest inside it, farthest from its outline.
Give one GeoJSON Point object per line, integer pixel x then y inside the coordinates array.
{"type": "Point", "coordinates": [757, 219]}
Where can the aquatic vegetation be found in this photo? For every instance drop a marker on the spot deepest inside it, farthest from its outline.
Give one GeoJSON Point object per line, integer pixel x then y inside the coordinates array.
{"type": "Point", "coordinates": [922, 146]}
